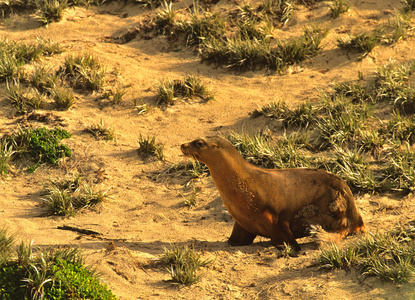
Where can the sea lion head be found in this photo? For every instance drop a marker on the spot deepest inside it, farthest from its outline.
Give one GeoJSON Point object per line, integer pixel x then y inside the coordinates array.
{"type": "Point", "coordinates": [205, 149]}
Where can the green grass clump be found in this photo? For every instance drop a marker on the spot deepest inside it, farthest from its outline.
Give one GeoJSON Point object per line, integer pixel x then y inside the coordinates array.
{"type": "Point", "coordinates": [6, 245]}
{"type": "Point", "coordinates": [43, 79]}
{"type": "Point", "coordinates": [148, 146]}
{"type": "Point", "coordinates": [400, 128]}
{"type": "Point", "coordinates": [283, 10]}
{"type": "Point", "coordinates": [64, 98]}
{"type": "Point", "coordinates": [183, 264]}
{"type": "Point", "coordinates": [84, 72]}
{"type": "Point", "coordinates": [47, 274]}
{"type": "Point", "coordinates": [13, 55]}
{"type": "Point", "coordinates": [199, 26]}
{"type": "Point", "coordinates": [400, 170]}
{"type": "Point", "coordinates": [338, 7]}
{"type": "Point", "coordinates": [343, 123]}
{"type": "Point", "coordinates": [243, 54]}
{"type": "Point", "coordinates": [10, 68]}
{"type": "Point", "coordinates": [389, 255]}
{"type": "Point", "coordinates": [355, 92]}
{"type": "Point", "coordinates": [280, 154]}
{"type": "Point", "coordinates": [23, 98]}
{"type": "Point", "coordinates": [8, 8]}
{"type": "Point", "coordinates": [302, 116]}
{"type": "Point", "coordinates": [66, 196]}
{"type": "Point", "coordinates": [364, 42]}
{"type": "Point", "coordinates": [165, 18]}
{"type": "Point", "coordinates": [352, 166]}
{"type": "Point", "coordinates": [41, 144]}
{"type": "Point", "coordinates": [51, 10]}
{"type": "Point", "coordinates": [409, 5]}
{"type": "Point", "coordinates": [191, 87]}
{"type": "Point", "coordinates": [100, 131]}
{"type": "Point", "coordinates": [6, 155]}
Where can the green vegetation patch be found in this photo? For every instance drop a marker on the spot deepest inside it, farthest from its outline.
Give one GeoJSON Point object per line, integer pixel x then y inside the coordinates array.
{"type": "Point", "coordinates": [50, 274]}
{"type": "Point", "coordinates": [388, 255]}
{"type": "Point", "coordinates": [42, 145]}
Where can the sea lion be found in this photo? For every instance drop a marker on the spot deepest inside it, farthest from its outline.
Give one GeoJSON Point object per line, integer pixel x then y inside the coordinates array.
{"type": "Point", "coordinates": [276, 203]}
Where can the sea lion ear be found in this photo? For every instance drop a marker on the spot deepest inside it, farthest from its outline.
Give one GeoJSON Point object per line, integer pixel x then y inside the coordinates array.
{"type": "Point", "coordinates": [215, 145]}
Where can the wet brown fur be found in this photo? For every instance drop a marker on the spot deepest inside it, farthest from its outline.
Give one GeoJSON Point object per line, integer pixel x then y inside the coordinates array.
{"type": "Point", "coordinates": [276, 203]}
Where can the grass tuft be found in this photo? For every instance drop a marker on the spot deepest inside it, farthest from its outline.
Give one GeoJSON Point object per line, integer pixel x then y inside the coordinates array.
{"type": "Point", "coordinates": [183, 264]}
{"type": "Point", "coordinates": [70, 194]}
{"type": "Point", "coordinates": [84, 72]}
{"type": "Point", "coordinates": [148, 146]}
{"type": "Point", "coordinates": [338, 7]}
{"type": "Point", "coordinates": [100, 131]}
{"type": "Point", "coordinates": [389, 255]}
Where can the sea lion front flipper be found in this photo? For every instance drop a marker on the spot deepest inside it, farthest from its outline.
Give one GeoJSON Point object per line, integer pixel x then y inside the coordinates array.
{"type": "Point", "coordinates": [240, 237]}
{"type": "Point", "coordinates": [282, 234]}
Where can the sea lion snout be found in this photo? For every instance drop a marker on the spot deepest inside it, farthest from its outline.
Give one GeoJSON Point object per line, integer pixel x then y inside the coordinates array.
{"type": "Point", "coordinates": [185, 148]}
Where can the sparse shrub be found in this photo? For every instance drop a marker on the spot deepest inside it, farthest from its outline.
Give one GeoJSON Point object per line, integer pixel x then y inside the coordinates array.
{"type": "Point", "coordinates": [300, 49]}
{"type": "Point", "coordinates": [244, 54]}
{"type": "Point", "coordinates": [276, 109]}
{"type": "Point", "coordinates": [392, 79]}
{"type": "Point", "coordinates": [183, 264]}
{"type": "Point", "coordinates": [238, 53]}
{"type": "Point", "coordinates": [400, 26]}
{"type": "Point", "coordinates": [148, 146]}
{"type": "Point", "coordinates": [353, 168]}
{"type": "Point", "coordinates": [6, 245]}
{"type": "Point", "coordinates": [167, 92]}
{"type": "Point", "coordinates": [255, 29]}
{"type": "Point", "coordinates": [8, 8]}
{"type": "Point", "coordinates": [400, 128]}
{"type": "Point", "coordinates": [194, 87]}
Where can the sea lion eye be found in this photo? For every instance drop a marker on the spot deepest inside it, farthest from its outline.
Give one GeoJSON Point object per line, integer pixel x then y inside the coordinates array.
{"type": "Point", "coordinates": [199, 144]}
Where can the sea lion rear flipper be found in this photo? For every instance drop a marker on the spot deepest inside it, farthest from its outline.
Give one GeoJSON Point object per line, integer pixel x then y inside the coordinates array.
{"type": "Point", "coordinates": [240, 237]}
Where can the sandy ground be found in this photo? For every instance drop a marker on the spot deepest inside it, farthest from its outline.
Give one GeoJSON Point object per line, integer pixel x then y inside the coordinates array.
{"type": "Point", "coordinates": [145, 213]}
